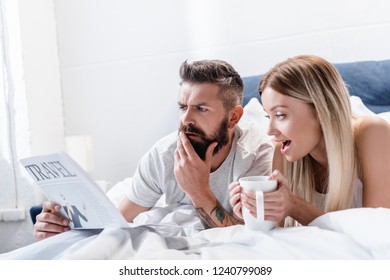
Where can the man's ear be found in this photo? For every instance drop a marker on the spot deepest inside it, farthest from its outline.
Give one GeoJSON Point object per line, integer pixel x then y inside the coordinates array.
{"type": "Point", "coordinates": [235, 115]}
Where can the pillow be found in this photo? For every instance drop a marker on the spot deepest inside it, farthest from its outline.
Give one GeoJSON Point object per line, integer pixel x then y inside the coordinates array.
{"type": "Point", "coordinates": [358, 107]}
{"type": "Point", "coordinates": [254, 113]}
{"type": "Point", "coordinates": [118, 192]}
{"type": "Point", "coordinates": [385, 115]}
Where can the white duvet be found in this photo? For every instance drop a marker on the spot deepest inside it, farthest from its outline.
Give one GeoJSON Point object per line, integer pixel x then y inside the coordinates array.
{"type": "Point", "coordinates": [362, 233]}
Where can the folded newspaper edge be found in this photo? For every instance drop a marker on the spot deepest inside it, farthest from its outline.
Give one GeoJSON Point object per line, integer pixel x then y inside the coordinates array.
{"type": "Point", "coordinates": [82, 201]}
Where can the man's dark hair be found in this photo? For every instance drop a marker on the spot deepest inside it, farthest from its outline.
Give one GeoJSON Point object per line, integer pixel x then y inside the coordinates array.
{"type": "Point", "coordinates": [216, 72]}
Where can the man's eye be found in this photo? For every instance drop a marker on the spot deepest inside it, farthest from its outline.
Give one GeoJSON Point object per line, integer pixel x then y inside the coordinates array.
{"type": "Point", "coordinates": [201, 109]}
{"type": "Point", "coordinates": [280, 116]}
{"type": "Point", "coordinates": [267, 116]}
{"type": "Point", "coordinates": [182, 108]}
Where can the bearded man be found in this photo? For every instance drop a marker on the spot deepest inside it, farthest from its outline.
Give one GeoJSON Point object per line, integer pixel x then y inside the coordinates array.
{"type": "Point", "coordinates": [195, 164]}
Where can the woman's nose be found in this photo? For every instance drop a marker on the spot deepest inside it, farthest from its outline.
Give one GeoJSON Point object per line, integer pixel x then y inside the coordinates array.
{"type": "Point", "coordinates": [271, 129]}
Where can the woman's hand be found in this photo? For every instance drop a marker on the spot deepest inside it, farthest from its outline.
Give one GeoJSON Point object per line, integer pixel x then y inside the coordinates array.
{"type": "Point", "coordinates": [235, 199]}
{"type": "Point", "coordinates": [277, 204]}
{"type": "Point", "coordinates": [280, 203]}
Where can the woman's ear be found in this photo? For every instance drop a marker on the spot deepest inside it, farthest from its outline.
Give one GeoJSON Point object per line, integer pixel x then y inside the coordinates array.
{"type": "Point", "coordinates": [235, 115]}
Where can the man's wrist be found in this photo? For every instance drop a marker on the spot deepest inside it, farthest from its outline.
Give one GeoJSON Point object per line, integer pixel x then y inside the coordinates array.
{"type": "Point", "coordinates": [214, 217]}
{"type": "Point", "coordinates": [203, 200]}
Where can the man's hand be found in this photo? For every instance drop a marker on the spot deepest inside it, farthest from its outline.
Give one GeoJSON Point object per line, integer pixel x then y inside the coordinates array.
{"type": "Point", "coordinates": [49, 222]}
{"type": "Point", "coordinates": [192, 173]}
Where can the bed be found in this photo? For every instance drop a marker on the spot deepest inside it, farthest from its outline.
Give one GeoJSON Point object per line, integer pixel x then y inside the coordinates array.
{"type": "Point", "coordinates": [355, 234]}
{"type": "Point", "coordinates": [174, 232]}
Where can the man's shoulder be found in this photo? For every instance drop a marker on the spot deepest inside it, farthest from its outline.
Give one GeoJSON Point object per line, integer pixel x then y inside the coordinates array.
{"type": "Point", "coordinates": [161, 153]}
{"type": "Point", "coordinates": [166, 144]}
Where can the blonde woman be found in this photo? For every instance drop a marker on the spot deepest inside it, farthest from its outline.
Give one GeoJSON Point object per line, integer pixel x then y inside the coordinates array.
{"type": "Point", "coordinates": [325, 159]}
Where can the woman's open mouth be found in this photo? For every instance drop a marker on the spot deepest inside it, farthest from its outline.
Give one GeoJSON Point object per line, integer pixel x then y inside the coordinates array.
{"type": "Point", "coordinates": [286, 145]}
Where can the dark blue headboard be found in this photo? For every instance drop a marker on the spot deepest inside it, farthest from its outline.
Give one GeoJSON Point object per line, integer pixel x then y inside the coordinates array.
{"type": "Point", "coordinates": [369, 80]}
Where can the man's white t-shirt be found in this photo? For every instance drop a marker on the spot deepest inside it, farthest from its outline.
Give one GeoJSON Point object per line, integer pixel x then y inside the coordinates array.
{"type": "Point", "coordinates": [251, 154]}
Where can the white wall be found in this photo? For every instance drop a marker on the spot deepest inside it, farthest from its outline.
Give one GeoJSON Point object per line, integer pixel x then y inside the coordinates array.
{"type": "Point", "coordinates": [119, 59]}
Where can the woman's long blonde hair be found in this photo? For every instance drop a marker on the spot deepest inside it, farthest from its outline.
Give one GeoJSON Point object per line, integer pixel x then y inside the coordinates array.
{"type": "Point", "coordinates": [317, 82]}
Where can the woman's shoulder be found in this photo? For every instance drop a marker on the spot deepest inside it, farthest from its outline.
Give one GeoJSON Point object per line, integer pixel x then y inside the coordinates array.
{"type": "Point", "coordinates": [371, 133]}
{"type": "Point", "coordinates": [368, 126]}
{"type": "Point", "coordinates": [373, 155]}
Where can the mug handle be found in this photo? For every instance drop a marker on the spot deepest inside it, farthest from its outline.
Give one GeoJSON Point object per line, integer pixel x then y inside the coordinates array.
{"type": "Point", "coordinates": [260, 205]}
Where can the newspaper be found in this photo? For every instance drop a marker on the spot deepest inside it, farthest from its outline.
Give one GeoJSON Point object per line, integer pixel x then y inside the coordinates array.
{"type": "Point", "coordinates": [83, 202]}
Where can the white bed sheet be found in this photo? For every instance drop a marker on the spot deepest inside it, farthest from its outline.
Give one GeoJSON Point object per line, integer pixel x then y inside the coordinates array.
{"type": "Point", "coordinates": [362, 233]}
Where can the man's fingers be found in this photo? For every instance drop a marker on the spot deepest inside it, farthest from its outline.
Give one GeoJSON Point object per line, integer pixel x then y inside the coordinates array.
{"type": "Point", "coordinates": [210, 150]}
{"type": "Point", "coordinates": [188, 149]}
{"type": "Point", "coordinates": [50, 206]}
{"type": "Point", "coordinates": [43, 230]}
{"type": "Point", "coordinates": [50, 218]}
{"type": "Point", "coordinates": [49, 222]}
{"type": "Point", "coordinates": [177, 155]}
{"type": "Point", "coordinates": [50, 227]}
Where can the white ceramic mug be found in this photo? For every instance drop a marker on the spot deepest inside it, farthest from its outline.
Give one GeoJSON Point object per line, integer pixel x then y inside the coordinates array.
{"type": "Point", "coordinates": [259, 185]}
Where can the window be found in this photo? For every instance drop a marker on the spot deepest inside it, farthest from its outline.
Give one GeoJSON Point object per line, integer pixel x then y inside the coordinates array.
{"type": "Point", "coordinates": [13, 115]}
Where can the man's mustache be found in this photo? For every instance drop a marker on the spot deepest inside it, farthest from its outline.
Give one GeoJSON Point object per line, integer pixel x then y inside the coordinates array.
{"type": "Point", "coordinates": [192, 129]}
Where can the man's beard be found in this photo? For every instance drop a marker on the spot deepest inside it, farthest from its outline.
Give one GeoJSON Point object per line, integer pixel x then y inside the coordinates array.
{"type": "Point", "coordinates": [200, 146]}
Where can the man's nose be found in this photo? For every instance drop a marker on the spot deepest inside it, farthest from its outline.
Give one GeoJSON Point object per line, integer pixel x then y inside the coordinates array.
{"type": "Point", "coordinates": [187, 117]}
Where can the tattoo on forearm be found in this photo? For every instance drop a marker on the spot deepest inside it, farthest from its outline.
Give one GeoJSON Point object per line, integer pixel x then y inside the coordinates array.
{"type": "Point", "coordinates": [221, 214]}
{"type": "Point", "coordinates": [205, 218]}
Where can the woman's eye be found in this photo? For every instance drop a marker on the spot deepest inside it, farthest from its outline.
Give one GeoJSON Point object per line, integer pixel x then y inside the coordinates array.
{"type": "Point", "coordinates": [267, 116]}
{"type": "Point", "coordinates": [280, 116]}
